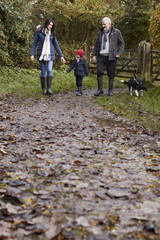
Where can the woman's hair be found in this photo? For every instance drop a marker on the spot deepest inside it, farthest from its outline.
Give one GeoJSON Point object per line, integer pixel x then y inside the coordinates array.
{"type": "Point", "coordinates": [47, 22]}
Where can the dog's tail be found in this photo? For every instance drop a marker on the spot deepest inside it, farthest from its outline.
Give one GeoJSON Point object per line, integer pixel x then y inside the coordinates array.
{"type": "Point", "coordinates": [123, 81]}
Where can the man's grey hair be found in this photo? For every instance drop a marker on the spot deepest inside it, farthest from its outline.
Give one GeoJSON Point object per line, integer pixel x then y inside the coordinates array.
{"type": "Point", "coordinates": [106, 20]}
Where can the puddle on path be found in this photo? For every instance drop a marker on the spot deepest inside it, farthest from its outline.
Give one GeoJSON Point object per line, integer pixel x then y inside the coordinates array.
{"type": "Point", "coordinates": [111, 124]}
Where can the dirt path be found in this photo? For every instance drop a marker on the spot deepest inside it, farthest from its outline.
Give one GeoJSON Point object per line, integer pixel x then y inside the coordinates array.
{"type": "Point", "coordinates": [72, 170]}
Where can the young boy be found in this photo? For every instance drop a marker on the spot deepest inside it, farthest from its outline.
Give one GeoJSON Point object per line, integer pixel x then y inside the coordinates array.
{"type": "Point", "coordinates": [80, 69]}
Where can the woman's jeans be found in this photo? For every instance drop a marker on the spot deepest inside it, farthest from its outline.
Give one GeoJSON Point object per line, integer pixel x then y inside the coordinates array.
{"type": "Point", "coordinates": [46, 66]}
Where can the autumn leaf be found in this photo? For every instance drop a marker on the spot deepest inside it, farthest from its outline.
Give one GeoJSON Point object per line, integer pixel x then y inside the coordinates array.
{"type": "Point", "coordinates": [3, 151]}
{"type": "Point", "coordinates": [90, 167]}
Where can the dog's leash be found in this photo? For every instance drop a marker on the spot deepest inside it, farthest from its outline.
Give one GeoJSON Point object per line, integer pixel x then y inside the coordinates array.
{"type": "Point", "coordinates": [139, 83]}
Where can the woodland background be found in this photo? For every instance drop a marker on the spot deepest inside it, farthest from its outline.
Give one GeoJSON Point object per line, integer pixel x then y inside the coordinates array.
{"type": "Point", "coordinates": [77, 22]}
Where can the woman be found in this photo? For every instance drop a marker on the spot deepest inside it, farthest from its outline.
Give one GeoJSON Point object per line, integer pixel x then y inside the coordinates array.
{"type": "Point", "coordinates": [46, 40]}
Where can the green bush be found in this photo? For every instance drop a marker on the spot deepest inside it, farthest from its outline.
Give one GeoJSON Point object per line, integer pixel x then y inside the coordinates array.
{"type": "Point", "coordinates": [15, 33]}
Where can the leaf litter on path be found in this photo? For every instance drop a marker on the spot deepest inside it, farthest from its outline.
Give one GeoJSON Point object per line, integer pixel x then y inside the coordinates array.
{"type": "Point", "coordinates": [71, 170]}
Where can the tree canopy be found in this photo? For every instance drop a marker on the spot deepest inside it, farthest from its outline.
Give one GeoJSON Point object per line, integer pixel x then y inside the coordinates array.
{"type": "Point", "coordinates": [154, 28]}
{"type": "Point", "coordinates": [77, 23]}
{"type": "Point", "coordinates": [15, 30]}
{"type": "Point", "coordinates": [134, 21]}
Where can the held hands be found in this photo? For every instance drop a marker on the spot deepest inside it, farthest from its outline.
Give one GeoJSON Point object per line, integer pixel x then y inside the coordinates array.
{"type": "Point", "coordinates": [94, 59]}
{"type": "Point", "coordinates": [63, 60]}
{"type": "Point", "coordinates": [32, 58]}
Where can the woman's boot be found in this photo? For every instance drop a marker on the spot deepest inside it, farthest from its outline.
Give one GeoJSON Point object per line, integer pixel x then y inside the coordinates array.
{"type": "Point", "coordinates": [43, 85]}
{"type": "Point", "coordinates": [100, 86]}
{"type": "Point", "coordinates": [49, 83]}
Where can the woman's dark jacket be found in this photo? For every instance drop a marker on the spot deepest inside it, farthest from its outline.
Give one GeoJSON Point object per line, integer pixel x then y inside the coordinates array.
{"type": "Point", "coordinates": [80, 68]}
{"type": "Point", "coordinates": [39, 40]}
{"type": "Point", "coordinates": [116, 43]}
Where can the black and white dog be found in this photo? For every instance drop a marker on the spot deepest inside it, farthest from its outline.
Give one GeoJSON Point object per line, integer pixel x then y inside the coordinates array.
{"type": "Point", "coordinates": [136, 85]}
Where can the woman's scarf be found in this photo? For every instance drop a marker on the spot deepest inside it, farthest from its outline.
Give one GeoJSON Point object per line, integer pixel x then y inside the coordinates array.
{"type": "Point", "coordinates": [46, 54]}
{"type": "Point", "coordinates": [77, 59]}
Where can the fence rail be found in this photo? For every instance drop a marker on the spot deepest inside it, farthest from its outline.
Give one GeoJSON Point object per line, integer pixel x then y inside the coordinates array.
{"type": "Point", "coordinates": [155, 65]}
{"type": "Point", "coordinates": [127, 64]}
{"type": "Point", "coordinates": [144, 62]}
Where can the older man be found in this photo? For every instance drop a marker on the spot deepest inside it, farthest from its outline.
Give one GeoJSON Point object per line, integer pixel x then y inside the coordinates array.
{"type": "Point", "coordinates": [108, 47]}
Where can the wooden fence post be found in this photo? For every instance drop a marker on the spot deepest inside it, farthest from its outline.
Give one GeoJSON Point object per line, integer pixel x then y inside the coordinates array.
{"type": "Point", "coordinates": [140, 59]}
{"type": "Point", "coordinates": [144, 66]}
{"type": "Point", "coordinates": [148, 62]}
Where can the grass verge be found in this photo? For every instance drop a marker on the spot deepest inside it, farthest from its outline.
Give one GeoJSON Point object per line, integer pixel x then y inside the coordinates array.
{"type": "Point", "coordinates": [26, 83]}
{"type": "Point", "coordinates": [143, 111]}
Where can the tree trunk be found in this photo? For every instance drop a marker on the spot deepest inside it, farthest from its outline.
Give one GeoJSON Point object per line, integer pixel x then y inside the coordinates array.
{"type": "Point", "coordinates": [70, 37]}
{"type": "Point", "coordinates": [71, 27]}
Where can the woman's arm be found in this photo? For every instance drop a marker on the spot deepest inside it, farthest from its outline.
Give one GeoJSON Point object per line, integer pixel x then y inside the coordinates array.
{"type": "Point", "coordinates": [34, 45]}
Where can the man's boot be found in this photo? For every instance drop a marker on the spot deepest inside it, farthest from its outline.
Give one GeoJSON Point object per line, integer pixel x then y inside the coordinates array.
{"type": "Point", "coordinates": [49, 83]}
{"type": "Point", "coordinates": [43, 85]}
{"type": "Point", "coordinates": [110, 89]}
{"type": "Point", "coordinates": [100, 86]}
